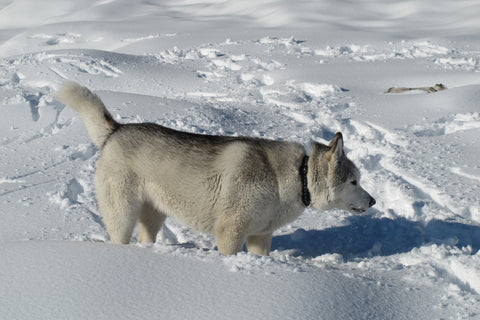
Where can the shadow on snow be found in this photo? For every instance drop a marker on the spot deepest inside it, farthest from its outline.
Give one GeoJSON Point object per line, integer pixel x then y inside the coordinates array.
{"type": "Point", "coordinates": [365, 236]}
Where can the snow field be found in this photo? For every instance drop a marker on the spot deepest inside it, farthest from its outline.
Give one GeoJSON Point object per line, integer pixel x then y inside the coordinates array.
{"type": "Point", "coordinates": [414, 256]}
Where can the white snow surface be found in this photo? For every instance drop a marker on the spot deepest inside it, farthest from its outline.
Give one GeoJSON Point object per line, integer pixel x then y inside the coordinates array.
{"type": "Point", "coordinates": [278, 69]}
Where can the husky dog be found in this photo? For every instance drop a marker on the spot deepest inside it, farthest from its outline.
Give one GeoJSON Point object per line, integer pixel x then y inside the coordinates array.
{"type": "Point", "coordinates": [239, 189]}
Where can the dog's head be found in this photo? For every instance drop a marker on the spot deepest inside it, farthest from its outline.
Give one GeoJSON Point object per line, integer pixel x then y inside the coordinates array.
{"type": "Point", "coordinates": [333, 179]}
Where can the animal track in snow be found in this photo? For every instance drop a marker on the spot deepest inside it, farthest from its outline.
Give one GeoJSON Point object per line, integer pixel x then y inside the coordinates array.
{"type": "Point", "coordinates": [92, 66]}
{"type": "Point", "coordinates": [74, 188]}
{"type": "Point", "coordinates": [149, 37]}
{"type": "Point", "coordinates": [10, 180]}
{"type": "Point", "coordinates": [69, 193]}
{"type": "Point", "coordinates": [84, 152]}
{"type": "Point", "coordinates": [447, 125]}
{"type": "Point", "coordinates": [402, 50]}
{"type": "Point", "coordinates": [58, 38]}
{"type": "Point", "coordinates": [461, 172]}
{"type": "Point", "coordinates": [217, 62]}
{"type": "Point", "coordinates": [34, 101]}
{"type": "Point", "coordinates": [85, 63]}
{"type": "Point", "coordinates": [467, 61]}
{"type": "Point", "coordinates": [380, 152]}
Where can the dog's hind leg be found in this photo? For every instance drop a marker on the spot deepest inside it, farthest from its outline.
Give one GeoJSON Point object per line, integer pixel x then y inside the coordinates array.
{"type": "Point", "coordinates": [151, 221]}
{"type": "Point", "coordinates": [118, 203]}
{"type": "Point", "coordinates": [120, 218]}
{"type": "Point", "coordinates": [259, 244]}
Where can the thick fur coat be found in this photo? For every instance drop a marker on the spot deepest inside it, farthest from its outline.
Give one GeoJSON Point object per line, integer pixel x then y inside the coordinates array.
{"type": "Point", "coordinates": [239, 189]}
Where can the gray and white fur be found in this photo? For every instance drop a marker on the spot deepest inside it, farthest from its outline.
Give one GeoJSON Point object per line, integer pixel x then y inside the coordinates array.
{"type": "Point", "coordinates": [240, 189]}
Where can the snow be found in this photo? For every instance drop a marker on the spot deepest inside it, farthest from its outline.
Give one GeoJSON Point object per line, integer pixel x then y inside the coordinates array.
{"type": "Point", "coordinates": [275, 69]}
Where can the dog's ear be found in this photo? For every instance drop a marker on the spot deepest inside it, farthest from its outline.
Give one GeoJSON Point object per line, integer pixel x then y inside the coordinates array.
{"type": "Point", "coordinates": [336, 148]}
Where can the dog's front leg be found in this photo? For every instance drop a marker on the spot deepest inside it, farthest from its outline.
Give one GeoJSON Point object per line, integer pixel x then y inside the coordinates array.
{"type": "Point", "coordinates": [230, 237]}
{"type": "Point", "coordinates": [229, 243]}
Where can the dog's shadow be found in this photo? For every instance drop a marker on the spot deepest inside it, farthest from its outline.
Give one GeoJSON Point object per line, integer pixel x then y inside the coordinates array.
{"type": "Point", "coordinates": [365, 236]}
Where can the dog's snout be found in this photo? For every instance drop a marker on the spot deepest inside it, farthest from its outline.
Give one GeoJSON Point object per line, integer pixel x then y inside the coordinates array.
{"type": "Point", "coordinates": [372, 202]}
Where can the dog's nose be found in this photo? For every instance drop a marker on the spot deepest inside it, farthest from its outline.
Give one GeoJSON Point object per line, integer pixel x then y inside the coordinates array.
{"type": "Point", "coordinates": [372, 202]}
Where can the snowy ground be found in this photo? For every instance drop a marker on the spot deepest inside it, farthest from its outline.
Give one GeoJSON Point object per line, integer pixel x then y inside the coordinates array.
{"type": "Point", "coordinates": [276, 69]}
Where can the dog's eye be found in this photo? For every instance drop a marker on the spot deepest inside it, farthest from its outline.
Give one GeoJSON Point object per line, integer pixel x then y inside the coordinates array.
{"type": "Point", "coordinates": [354, 182]}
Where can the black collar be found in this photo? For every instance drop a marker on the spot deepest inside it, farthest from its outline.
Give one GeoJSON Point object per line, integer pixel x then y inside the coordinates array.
{"type": "Point", "coordinates": [303, 176]}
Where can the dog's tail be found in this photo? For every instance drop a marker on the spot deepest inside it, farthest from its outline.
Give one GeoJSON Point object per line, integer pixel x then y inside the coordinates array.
{"type": "Point", "coordinates": [99, 122]}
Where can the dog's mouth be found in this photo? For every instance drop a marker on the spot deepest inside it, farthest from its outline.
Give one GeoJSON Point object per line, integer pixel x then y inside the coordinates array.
{"type": "Point", "coordinates": [358, 210]}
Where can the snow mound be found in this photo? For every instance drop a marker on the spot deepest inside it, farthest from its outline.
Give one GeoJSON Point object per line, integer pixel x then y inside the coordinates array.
{"type": "Point", "coordinates": [80, 280]}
